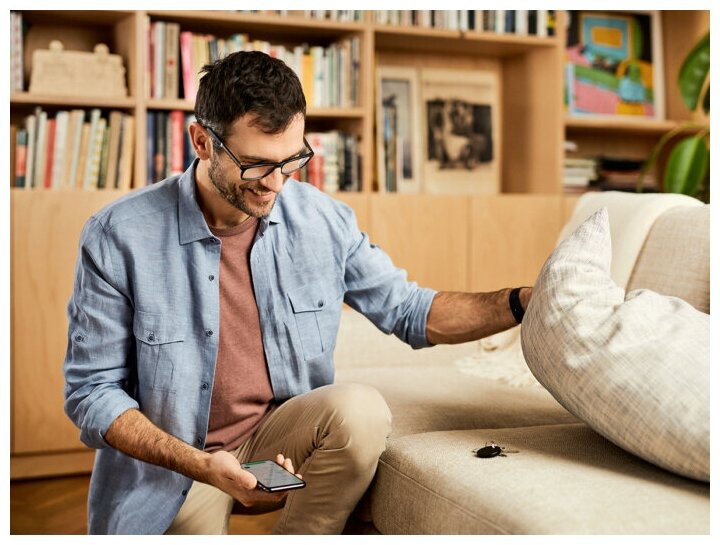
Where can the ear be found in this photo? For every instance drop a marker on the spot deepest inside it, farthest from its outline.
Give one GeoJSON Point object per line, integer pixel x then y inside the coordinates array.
{"type": "Point", "coordinates": [201, 141]}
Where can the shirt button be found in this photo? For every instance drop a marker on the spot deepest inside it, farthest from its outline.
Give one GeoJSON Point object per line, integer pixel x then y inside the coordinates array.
{"type": "Point", "coordinates": [184, 492]}
{"type": "Point", "coordinates": [211, 277]}
{"type": "Point", "coordinates": [199, 440]}
{"type": "Point", "coordinates": [321, 303]}
{"type": "Point", "coordinates": [79, 338]}
{"type": "Point", "coordinates": [209, 333]}
{"type": "Point", "coordinates": [151, 338]}
{"type": "Point", "coordinates": [205, 386]}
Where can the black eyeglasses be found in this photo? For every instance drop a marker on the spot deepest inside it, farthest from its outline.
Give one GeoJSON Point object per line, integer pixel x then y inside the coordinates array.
{"type": "Point", "coordinates": [258, 171]}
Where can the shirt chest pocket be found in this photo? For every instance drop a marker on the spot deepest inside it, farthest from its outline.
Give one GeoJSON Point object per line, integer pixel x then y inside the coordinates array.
{"type": "Point", "coordinates": [159, 341]}
{"type": "Point", "coordinates": [308, 302]}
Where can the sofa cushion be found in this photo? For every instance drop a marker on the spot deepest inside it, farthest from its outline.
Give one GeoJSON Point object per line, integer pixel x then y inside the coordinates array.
{"type": "Point", "coordinates": [565, 479]}
{"type": "Point", "coordinates": [635, 367]}
{"type": "Point", "coordinates": [632, 216]}
{"type": "Point", "coordinates": [675, 259]}
{"type": "Point", "coordinates": [442, 397]}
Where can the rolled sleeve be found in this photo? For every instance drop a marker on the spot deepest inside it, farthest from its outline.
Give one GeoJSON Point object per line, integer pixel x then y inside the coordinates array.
{"type": "Point", "coordinates": [97, 366]}
{"type": "Point", "coordinates": [380, 290]}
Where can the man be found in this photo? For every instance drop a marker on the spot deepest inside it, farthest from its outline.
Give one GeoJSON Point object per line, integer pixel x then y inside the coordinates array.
{"type": "Point", "coordinates": [203, 321]}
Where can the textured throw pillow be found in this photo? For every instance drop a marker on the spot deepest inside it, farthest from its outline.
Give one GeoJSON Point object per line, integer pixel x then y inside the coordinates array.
{"type": "Point", "coordinates": [635, 367]}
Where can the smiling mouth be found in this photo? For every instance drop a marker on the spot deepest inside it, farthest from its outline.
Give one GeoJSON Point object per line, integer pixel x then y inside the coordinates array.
{"type": "Point", "coordinates": [258, 192]}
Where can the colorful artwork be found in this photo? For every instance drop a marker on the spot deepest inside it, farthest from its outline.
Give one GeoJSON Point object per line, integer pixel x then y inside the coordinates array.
{"type": "Point", "coordinates": [612, 65]}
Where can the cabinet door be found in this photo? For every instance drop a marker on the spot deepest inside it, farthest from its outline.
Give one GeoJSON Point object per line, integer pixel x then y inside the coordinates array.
{"type": "Point", "coordinates": [45, 230]}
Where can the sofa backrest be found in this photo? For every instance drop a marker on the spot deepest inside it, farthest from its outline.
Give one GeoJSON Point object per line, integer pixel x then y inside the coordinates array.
{"type": "Point", "coordinates": [675, 259]}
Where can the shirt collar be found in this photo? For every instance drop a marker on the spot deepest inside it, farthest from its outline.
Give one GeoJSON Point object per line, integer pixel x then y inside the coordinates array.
{"type": "Point", "coordinates": [192, 225]}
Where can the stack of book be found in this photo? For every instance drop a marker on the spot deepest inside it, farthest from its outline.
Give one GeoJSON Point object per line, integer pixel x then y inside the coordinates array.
{"type": "Point", "coordinates": [75, 149]}
{"type": "Point", "coordinates": [336, 163]}
{"type": "Point", "coordinates": [329, 75]}
{"type": "Point", "coordinates": [623, 174]}
{"type": "Point", "coordinates": [16, 51]}
{"type": "Point", "coordinates": [169, 150]}
{"type": "Point", "coordinates": [578, 174]}
{"type": "Point", "coordinates": [539, 22]}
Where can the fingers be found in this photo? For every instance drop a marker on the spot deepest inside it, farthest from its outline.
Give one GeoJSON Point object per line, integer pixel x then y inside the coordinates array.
{"type": "Point", "coordinates": [285, 462]}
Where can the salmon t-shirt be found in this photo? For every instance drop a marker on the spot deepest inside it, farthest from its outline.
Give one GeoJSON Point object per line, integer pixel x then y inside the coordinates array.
{"type": "Point", "coordinates": [242, 394]}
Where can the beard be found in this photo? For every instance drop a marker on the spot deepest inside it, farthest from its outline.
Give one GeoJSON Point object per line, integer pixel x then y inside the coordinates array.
{"type": "Point", "coordinates": [235, 193]}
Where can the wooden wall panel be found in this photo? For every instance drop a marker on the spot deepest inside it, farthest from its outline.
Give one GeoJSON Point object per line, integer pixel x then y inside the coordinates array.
{"type": "Point", "coordinates": [511, 236]}
{"type": "Point", "coordinates": [426, 235]}
{"type": "Point", "coordinates": [45, 227]}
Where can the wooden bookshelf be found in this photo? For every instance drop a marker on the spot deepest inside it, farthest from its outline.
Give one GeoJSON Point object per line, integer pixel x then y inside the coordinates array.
{"type": "Point", "coordinates": [514, 231]}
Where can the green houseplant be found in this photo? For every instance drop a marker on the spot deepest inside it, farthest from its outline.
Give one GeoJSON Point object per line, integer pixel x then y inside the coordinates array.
{"type": "Point", "coordinates": [688, 166]}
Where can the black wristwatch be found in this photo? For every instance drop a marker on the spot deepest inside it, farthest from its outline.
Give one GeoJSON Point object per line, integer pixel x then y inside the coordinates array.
{"type": "Point", "coordinates": [515, 306]}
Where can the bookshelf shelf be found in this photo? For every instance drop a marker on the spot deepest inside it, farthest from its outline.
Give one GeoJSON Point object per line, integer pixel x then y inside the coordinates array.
{"type": "Point", "coordinates": [17, 99]}
{"type": "Point", "coordinates": [456, 41]}
{"type": "Point", "coordinates": [320, 113]}
{"type": "Point", "coordinates": [627, 126]}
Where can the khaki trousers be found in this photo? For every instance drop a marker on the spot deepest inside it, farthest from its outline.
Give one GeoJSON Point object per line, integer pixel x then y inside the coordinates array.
{"type": "Point", "coordinates": [334, 436]}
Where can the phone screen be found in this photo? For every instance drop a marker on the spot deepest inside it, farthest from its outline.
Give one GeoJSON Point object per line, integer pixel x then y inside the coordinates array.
{"type": "Point", "coordinates": [272, 477]}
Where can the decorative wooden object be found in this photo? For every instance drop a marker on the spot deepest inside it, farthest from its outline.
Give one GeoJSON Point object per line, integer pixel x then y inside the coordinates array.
{"type": "Point", "coordinates": [77, 73]}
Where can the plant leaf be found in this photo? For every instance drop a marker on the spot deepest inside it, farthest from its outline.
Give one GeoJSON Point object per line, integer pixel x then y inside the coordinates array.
{"type": "Point", "coordinates": [706, 102]}
{"type": "Point", "coordinates": [694, 71]}
{"type": "Point", "coordinates": [687, 166]}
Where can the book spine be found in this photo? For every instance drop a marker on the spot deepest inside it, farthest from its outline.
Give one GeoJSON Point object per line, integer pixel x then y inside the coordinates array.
{"type": "Point", "coordinates": [172, 32]}
{"type": "Point", "coordinates": [16, 51]}
{"type": "Point", "coordinates": [177, 126]}
{"type": "Point", "coordinates": [76, 148]}
{"type": "Point", "coordinates": [186, 59]}
{"type": "Point", "coordinates": [147, 25]}
{"type": "Point", "coordinates": [40, 145]}
{"type": "Point", "coordinates": [150, 142]}
{"type": "Point", "coordinates": [92, 144]}
{"type": "Point", "coordinates": [21, 141]}
{"type": "Point", "coordinates": [113, 153]}
{"type": "Point", "coordinates": [127, 153]}
{"type": "Point", "coordinates": [49, 153]}
{"type": "Point", "coordinates": [188, 152]}
{"type": "Point", "coordinates": [160, 128]}
{"type": "Point", "coordinates": [95, 154]}
{"type": "Point", "coordinates": [82, 156]}
{"type": "Point", "coordinates": [61, 142]}
{"type": "Point", "coordinates": [13, 153]}
{"type": "Point", "coordinates": [31, 128]}
{"type": "Point", "coordinates": [159, 60]}
{"type": "Point", "coordinates": [104, 152]}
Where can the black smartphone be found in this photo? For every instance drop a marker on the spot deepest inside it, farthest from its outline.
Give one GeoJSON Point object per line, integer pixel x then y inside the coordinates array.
{"type": "Point", "coordinates": [272, 477]}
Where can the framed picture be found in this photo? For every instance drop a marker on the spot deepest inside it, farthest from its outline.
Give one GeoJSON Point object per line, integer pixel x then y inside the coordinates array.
{"type": "Point", "coordinates": [614, 65]}
{"type": "Point", "coordinates": [461, 131]}
{"type": "Point", "coordinates": [398, 134]}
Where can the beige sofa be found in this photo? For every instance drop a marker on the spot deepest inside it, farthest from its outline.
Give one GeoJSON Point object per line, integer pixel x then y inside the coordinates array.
{"type": "Point", "coordinates": [566, 478]}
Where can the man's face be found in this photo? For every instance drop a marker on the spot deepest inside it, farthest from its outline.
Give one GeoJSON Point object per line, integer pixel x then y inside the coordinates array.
{"type": "Point", "coordinates": [251, 145]}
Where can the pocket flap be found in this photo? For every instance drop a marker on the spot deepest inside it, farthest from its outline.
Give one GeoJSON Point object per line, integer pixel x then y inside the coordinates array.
{"type": "Point", "coordinates": [154, 328]}
{"type": "Point", "coordinates": [307, 299]}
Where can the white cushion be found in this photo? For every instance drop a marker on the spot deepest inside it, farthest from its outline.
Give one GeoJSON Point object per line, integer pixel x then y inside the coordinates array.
{"type": "Point", "coordinates": [634, 367]}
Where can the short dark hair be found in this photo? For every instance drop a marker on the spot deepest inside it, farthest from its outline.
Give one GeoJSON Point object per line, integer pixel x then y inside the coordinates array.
{"type": "Point", "coordinates": [248, 82]}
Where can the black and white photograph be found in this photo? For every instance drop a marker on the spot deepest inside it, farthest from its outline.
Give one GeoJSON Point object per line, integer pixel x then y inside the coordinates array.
{"type": "Point", "coordinates": [461, 132]}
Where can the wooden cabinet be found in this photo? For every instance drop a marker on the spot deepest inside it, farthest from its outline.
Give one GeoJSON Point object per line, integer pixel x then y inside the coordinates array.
{"type": "Point", "coordinates": [448, 242]}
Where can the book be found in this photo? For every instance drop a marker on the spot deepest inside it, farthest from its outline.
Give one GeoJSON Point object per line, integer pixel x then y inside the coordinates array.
{"type": "Point", "coordinates": [189, 152]}
{"type": "Point", "coordinates": [150, 143]}
{"type": "Point", "coordinates": [94, 154]}
{"type": "Point", "coordinates": [79, 181]}
{"type": "Point", "coordinates": [49, 154]}
{"type": "Point", "coordinates": [127, 153]}
{"type": "Point", "coordinates": [159, 146]}
{"type": "Point", "coordinates": [16, 51]}
{"type": "Point", "coordinates": [21, 145]}
{"type": "Point", "coordinates": [172, 43]}
{"type": "Point", "coordinates": [113, 151]}
{"type": "Point", "coordinates": [62, 119]}
{"type": "Point", "coordinates": [13, 151]}
{"type": "Point", "coordinates": [158, 46]}
{"type": "Point", "coordinates": [102, 169]}
{"type": "Point", "coordinates": [31, 128]}
{"type": "Point", "coordinates": [92, 145]}
{"type": "Point", "coordinates": [72, 155]}
{"type": "Point", "coordinates": [40, 148]}
{"type": "Point", "coordinates": [176, 145]}
{"type": "Point", "coordinates": [186, 60]}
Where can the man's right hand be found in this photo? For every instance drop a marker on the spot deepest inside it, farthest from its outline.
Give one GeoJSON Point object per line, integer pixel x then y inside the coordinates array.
{"type": "Point", "coordinates": [224, 472]}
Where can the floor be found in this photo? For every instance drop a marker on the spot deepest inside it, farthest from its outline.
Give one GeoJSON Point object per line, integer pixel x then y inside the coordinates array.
{"type": "Point", "coordinates": [59, 506]}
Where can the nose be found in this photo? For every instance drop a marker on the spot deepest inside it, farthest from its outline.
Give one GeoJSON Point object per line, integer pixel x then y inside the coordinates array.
{"type": "Point", "coordinates": [273, 181]}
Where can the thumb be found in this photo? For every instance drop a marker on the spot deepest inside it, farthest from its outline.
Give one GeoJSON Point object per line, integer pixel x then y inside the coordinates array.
{"type": "Point", "coordinates": [241, 477]}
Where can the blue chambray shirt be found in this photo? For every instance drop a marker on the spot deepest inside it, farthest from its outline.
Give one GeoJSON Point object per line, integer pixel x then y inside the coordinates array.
{"type": "Point", "coordinates": [144, 322]}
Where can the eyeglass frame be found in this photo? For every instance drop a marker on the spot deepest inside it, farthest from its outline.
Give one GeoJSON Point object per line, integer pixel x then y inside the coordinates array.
{"type": "Point", "coordinates": [279, 165]}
